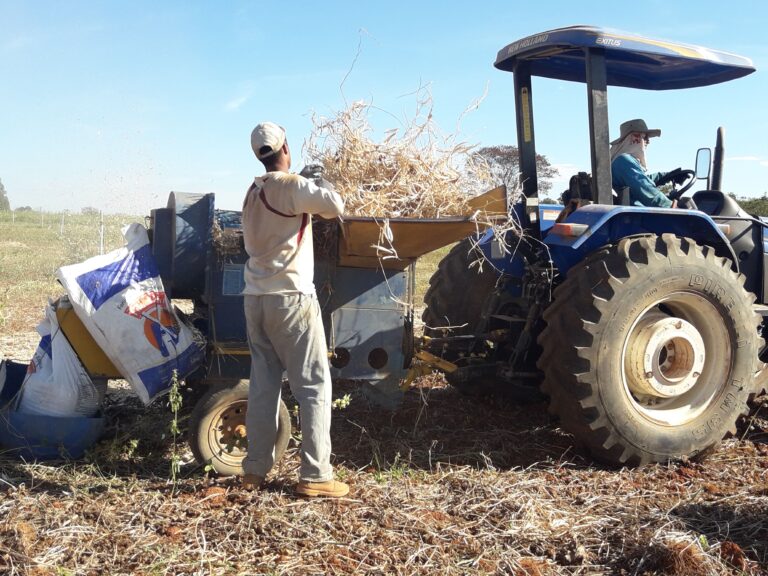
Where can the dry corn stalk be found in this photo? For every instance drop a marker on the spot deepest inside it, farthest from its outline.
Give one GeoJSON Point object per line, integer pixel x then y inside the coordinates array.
{"type": "Point", "coordinates": [413, 172]}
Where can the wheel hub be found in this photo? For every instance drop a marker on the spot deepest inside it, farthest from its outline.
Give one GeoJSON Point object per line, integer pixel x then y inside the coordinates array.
{"type": "Point", "coordinates": [231, 428]}
{"type": "Point", "coordinates": [665, 356]}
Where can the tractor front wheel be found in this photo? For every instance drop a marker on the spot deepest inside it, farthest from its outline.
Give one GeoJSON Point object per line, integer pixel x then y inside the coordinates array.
{"type": "Point", "coordinates": [217, 428]}
{"type": "Point", "coordinates": [650, 350]}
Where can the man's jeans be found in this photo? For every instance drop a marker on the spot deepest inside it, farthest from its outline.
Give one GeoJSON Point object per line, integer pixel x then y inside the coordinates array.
{"type": "Point", "coordinates": [285, 332]}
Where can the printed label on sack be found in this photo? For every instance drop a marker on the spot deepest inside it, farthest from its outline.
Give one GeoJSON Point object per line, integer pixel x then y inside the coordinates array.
{"type": "Point", "coordinates": [160, 325]}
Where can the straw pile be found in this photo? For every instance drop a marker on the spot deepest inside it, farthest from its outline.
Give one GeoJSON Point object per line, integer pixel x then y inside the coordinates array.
{"type": "Point", "coordinates": [442, 486]}
{"type": "Point", "coordinates": [413, 172]}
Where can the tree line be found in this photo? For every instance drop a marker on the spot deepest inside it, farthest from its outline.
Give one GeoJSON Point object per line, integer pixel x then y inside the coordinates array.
{"type": "Point", "coordinates": [5, 204]}
{"type": "Point", "coordinates": [505, 168]}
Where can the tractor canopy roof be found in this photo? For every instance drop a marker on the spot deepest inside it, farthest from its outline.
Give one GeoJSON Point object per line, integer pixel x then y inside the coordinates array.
{"type": "Point", "coordinates": [631, 61]}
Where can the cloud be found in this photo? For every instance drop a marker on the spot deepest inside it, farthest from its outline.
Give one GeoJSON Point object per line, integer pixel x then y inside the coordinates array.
{"type": "Point", "coordinates": [744, 159]}
{"type": "Point", "coordinates": [564, 173]}
{"type": "Point", "coordinates": [749, 158]}
{"type": "Point", "coordinates": [237, 103]}
{"type": "Point", "coordinates": [19, 43]}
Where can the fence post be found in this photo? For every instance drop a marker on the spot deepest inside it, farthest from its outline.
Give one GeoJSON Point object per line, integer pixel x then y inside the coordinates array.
{"type": "Point", "coordinates": [101, 232]}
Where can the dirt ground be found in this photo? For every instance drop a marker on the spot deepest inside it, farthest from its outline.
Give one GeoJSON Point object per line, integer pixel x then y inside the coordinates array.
{"type": "Point", "coordinates": [446, 484]}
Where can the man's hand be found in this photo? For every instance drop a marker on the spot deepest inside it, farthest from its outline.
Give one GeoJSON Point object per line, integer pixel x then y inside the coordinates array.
{"type": "Point", "coordinates": [312, 171]}
{"type": "Point", "coordinates": [678, 176]}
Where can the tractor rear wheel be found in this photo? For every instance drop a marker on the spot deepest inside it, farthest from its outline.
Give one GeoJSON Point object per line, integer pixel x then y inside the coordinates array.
{"type": "Point", "coordinates": [457, 293]}
{"type": "Point", "coordinates": [455, 302]}
{"type": "Point", "coordinates": [650, 350]}
{"type": "Point", "coordinates": [217, 428]}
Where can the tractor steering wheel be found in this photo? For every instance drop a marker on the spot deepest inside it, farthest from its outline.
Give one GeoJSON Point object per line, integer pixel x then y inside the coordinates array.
{"type": "Point", "coordinates": [687, 184]}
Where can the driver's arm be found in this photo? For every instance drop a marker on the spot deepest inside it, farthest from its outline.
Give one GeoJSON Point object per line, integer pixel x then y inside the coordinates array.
{"type": "Point", "coordinates": [655, 177]}
{"type": "Point", "coordinates": [627, 171]}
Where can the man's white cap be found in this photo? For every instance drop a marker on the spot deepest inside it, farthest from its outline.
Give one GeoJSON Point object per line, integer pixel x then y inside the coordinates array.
{"type": "Point", "coordinates": [266, 139]}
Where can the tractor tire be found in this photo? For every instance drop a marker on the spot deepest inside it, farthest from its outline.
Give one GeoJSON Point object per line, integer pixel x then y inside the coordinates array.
{"type": "Point", "coordinates": [457, 293]}
{"type": "Point", "coordinates": [456, 297]}
{"type": "Point", "coordinates": [217, 428]}
{"type": "Point", "coordinates": [650, 350]}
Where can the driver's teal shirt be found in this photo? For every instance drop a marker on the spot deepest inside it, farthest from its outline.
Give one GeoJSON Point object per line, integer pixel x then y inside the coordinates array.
{"type": "Point", "coordinates": [627, 171]}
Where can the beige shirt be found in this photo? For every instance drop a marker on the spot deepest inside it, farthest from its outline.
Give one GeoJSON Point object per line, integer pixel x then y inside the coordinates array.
{"type": "Point", "coordinates": [277, 229]}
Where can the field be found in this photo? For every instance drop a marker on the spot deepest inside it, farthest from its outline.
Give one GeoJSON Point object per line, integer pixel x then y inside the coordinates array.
{"type": "Point", "coordinates": [444, 485]}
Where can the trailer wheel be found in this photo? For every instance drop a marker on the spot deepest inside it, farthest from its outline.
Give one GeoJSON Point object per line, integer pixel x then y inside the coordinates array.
{"type": "Point", "coordinates": [217, 428]}
{"type": "Point", "coordinates": [457, 293]}
{"type": "Point", "coordinates": [650, 350]}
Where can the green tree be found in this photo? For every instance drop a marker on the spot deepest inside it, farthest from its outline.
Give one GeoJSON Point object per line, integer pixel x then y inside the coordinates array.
{"type": "Point", "coordinates": [504, 163]}
{"type": "Point", "coordinates": [5, 205]}
{"type": "Point", "coordinates": [755, 206]}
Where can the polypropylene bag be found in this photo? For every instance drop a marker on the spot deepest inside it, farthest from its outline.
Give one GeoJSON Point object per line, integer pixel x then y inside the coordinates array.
{"type": "Point", "coordinates": [56, 382]}
{"type": "Point", "coordinates": [2, 377]}
{"type": "Point", "coordinates": [119, 298]}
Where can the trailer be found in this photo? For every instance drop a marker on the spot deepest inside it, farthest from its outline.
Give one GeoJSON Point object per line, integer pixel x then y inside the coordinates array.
{"type": "Point", "coordinates": [364, 276]}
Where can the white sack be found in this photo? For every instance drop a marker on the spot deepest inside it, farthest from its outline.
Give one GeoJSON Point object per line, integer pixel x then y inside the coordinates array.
{"type": "Point", "coordinates": [120, 299]}
{"type": "Point", "coordinates": [56, 382]}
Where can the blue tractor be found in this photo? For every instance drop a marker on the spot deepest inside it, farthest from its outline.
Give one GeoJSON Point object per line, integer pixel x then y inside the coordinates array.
{"type": "Point", "coordinates": [643, 326]}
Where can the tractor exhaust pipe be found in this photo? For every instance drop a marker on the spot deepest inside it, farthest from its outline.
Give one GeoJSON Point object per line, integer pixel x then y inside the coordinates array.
{"type": "Point", "coordinates": [718, 161]}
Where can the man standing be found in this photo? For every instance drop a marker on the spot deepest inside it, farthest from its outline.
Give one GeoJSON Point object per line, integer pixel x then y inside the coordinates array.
{"type": "Point", "coordinates": [285, 329]}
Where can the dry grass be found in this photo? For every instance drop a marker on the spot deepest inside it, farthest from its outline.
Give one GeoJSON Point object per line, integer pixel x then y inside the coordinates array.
{"type": "Point", "coordinates": [444, 485]}
{"type": "Point", "coordinates": [33, 246]}
{"type": "Point", "coordinates": [413, 172]}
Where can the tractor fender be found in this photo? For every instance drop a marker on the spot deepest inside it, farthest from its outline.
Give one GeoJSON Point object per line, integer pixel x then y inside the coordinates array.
{"type": "Point", "coordinates": [510, 259]}
{"type": "Point", "coordinates": [609, 224]}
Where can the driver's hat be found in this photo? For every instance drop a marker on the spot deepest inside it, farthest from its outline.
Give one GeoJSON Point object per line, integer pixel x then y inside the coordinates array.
{"type": "Point", "coordinates": [637, 125]}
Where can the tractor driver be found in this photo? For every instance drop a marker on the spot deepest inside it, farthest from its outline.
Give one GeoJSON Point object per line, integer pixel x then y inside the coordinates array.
{"type": "Point", "coordinates": [628, 168]}
{"type": "Point", "coordinates": [285, 327]}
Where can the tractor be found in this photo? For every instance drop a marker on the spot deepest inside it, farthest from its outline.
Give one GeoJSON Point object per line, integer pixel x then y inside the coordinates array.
{"type": "Point", "coordinates": [642, 326]}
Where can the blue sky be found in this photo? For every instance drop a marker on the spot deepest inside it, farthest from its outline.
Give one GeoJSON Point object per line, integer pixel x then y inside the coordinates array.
{"type": "Point", "coordinates": [115, 104]}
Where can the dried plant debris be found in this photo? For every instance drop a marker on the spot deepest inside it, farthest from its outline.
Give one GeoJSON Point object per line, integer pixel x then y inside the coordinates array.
{"type": "Point", "coordinates": [325, 238]}
{"type": "Point", "coordinates": [227, 241]}
{"type": "Point", "coordinates": [413, 172]}
{"type": "Point", "coordinates": [442, 486]}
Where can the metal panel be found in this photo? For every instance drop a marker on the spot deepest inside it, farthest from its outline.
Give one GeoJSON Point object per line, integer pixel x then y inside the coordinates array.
{"type": "Point", "coordinates": [597, 94]}
{"type": "Point", "coordinates": [232, 280]}
{"type": "Point", "coordinates": [408, 237]}
{"type": "Point", "coordinates": [368, 288]}
{"type": "Point", "coordinates": [364, 333]}
{"type": "Point", "coordinates": [226, 318]}
{"type": "Point", "coordinates": [163, 242]}
{"type": "Point", "coordinates": [526, 140]}
{"type": "Point", "coordinates": [608, 224]}
{"type": "Point", "coordinates": [633, 61]}
{"type": "Point", "coordinates": [192, 233]}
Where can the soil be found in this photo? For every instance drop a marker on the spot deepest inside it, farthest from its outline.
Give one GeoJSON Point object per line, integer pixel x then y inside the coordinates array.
{"type": "Point", "coordinates": [442, 485]}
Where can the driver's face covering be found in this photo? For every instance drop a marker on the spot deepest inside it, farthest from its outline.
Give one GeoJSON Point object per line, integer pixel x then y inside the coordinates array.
{"type": "Point", "coordinates": [635, 144]}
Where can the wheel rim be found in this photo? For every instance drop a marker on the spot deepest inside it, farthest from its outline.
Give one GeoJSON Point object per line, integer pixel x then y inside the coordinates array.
{"type": "Point", "coordinates": [677, 358]}
{"type": "Point", "coordinates": [226, 433]}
